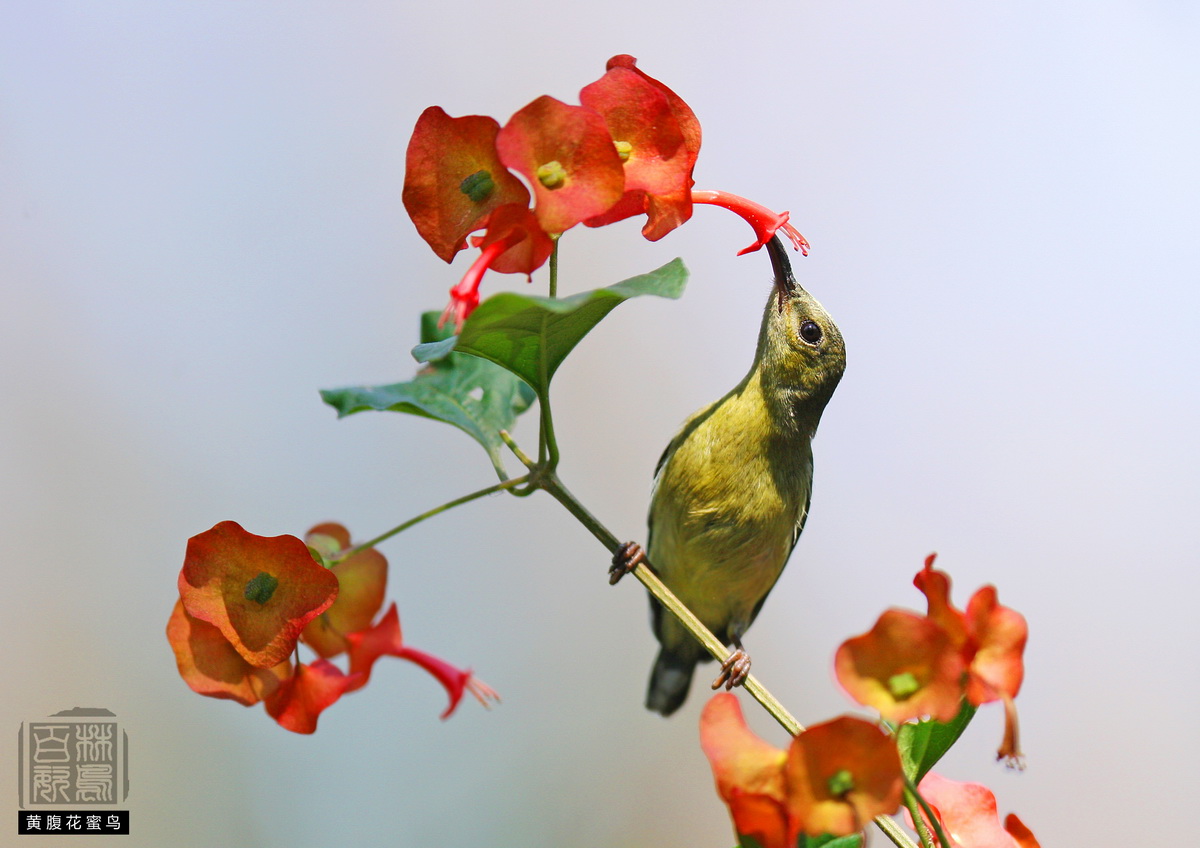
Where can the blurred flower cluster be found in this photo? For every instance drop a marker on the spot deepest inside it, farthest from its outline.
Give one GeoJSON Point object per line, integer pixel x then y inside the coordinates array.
{"type": "Point", "coordinates": [909, 666]}
{"type": "Point", "coordinates": [246, 600]}
{"type": "Point", "coordinates": [835, 777]}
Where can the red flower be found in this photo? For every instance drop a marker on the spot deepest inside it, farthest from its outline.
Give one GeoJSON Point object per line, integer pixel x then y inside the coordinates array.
{"type": "Point", "coordinates": [454, 179]}
{"type": "Point", "coordinates": [765, 222]}
{"type": "Point", "coordinates": [834, 778]}
{"type": "Point", "coordinates": [384, 639]}
{"type": "Point", "coordinates": [658, 138]}
{"type": "Point", "coordinates": [967, 813]}
{"type": "Point", "coordinates": [568, 157]}
{"type": "Point", "coordinates": [259, 592]}
{"type": "Point", "coordinates": [514, 244]}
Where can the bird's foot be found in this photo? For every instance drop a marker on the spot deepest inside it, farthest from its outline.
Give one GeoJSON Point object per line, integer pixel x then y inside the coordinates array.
{"type": "Point", "coordinates": [734, 670]}
{"type": "Point", "coordinates": [628, 557]}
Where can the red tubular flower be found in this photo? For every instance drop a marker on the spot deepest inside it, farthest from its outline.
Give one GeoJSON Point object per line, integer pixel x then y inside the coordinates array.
{"type": "Point", "coordinates": [658, 138]}
{"type": "Point", "coordinates": [300, 700]}
{"type": "Point", "coordinates": [362, 580]}
{"type": "Point", "coordinates": [906, 667]}
{"type": "Point", "coordinates": [568, 157]}
{"type": "Point", "coordinates": [765, 222]}
{"type": "Point", "coordinates": [454, 179]}
{"type": "Point", "coordinates": [514, 244]}
{"type": "Point", "coordinates": [967, 813]}
{"type": "Point", "coordinates": [259, 592]}
{"type": "Point", "coordinates": [385, 639]}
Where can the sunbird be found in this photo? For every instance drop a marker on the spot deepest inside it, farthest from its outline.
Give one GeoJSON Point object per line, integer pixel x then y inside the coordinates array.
{"type": "Point", "coordinates": [732, 489]}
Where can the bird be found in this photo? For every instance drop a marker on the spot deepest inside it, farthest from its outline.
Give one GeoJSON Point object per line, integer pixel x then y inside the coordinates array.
{"type": "Point", "coordinates": [732, 489]}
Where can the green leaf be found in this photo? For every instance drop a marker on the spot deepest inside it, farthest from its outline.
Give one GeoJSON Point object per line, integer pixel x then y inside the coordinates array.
{"type": "Point", "coordinates": [474, 395]}
{"type": "Point", "coordinates": [531, 336]}
{"type": "Point", "coordinates": [923, 743]}
{"type": "Point", "coordinates": [854, 840]}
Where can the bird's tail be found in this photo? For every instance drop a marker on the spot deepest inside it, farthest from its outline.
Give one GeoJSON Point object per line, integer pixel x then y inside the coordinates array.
{"type": "Point", "coordinates": [670, 680]}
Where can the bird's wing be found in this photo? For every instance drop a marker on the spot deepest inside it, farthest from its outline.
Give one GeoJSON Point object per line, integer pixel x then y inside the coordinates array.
{"type": "Point", "coordinates": [800, 519]}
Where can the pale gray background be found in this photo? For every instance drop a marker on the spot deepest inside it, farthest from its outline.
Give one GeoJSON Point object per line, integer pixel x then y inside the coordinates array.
{"type": "Point", "coordinates": [200, 225]}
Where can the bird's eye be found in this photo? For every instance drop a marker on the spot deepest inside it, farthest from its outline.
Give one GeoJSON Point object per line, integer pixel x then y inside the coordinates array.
{"type": "Point", "coordinates": [810, 331]}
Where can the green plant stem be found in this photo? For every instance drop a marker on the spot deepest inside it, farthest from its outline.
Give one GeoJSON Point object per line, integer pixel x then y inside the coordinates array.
{"type": "Point", "coordinates": [914, 810]}
{"type": "Point", "coordinates": [547, 443]}
{"type": "Point", "coordinates": [554, 266]}
{"type": "Point", "coordinates": [400, 528]}
{"type": "Point", "coordinates": [916, 804]}
{"type": "Point", "coordinates": [892, 830]}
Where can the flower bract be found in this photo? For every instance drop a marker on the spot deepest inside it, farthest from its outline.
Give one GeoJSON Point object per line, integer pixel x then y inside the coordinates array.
{"type": "Point", "coordinates": [657, 137]}
{"type": "Point", "coordinates": [362, 580]}
{"type": "Point", "coordinates": [568, 157]}
{"type": "Point", "coordinates": [454, 179]}
{"type": "Point", "coordinates": [834, 778]}
{"type": "Point", "coordinates": [259, 592]}
{"type": "Point", "coordinates": [967, 813]}
{"type": "Point", "coordinates": [300, 700]}
{"type": "Point", "coordinates": [211, 666]}
{"type": "Point", "coordinates": [906, 667]}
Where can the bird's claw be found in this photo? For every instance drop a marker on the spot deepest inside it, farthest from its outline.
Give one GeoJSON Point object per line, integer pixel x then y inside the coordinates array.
{"type": "Point", "coordinates": [628, 557]}
{"type": "Point", "coordinates": [734, 670]}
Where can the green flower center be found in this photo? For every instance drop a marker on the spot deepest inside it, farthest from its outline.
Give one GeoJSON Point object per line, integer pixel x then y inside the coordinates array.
{"type": "Point", "coordinates": [841, 783]}
{"type": "Point", "coordinates": [624, 148]}
{"type": "Point", "coordinates": [552, 175]}
{"type": "Point", "coordinates": [260, 588]}
{"type": "Point", "coordinates": [479, 186]}
{"type": "Point", "coordinates": [903, 685]}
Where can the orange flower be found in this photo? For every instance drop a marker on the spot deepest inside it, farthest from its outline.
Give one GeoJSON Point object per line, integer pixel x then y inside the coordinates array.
{"type": "Point", "coordinates": [259, 592]}
{"type": "Point", "coordinates": [909, 666]}
{"type": "Point", "coordinates": [991, 639]}
{"type": "Point", "coordinates": [906, 667]}
{"type": "Point", "coordinates": [629, 149]}
{"type": "Point", "coordinates": [211, 666]}
{"type": "Point", "coordinates": [749, 773]}
{"type": "Point", "coordinates": [361, 578]}
{"type": "Point", "coordinates": [841, 774]}
{"type": "Point", "coordinates": [967, 813]}
{"type": "Point", "coordinates": [834, 778]}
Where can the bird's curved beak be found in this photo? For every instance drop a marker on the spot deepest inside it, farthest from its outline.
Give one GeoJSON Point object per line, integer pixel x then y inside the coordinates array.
{"type": "Point", "coordinates": [785, 280]}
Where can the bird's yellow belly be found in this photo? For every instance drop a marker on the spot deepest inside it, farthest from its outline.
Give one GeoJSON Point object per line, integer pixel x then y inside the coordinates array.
{"type": "Point", "coordinates": [722, 569]}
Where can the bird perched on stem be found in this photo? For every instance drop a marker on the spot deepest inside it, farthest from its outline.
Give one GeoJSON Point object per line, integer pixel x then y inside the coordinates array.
{"type": "Point", "coordinates": [732, 489]}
